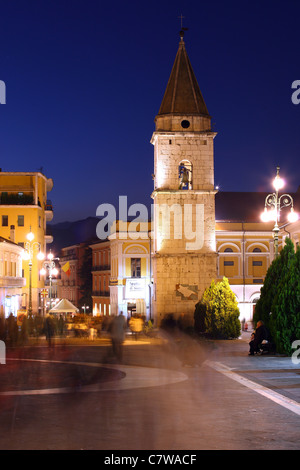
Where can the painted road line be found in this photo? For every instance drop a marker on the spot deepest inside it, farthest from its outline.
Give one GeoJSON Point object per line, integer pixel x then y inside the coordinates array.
{"type": "Point", "coordinates": [266, 392]}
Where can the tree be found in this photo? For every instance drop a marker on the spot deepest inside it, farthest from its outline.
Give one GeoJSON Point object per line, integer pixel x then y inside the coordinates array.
{"type": "Point", "coordinates": [285, 318]}
{"type": "Point", "coordinates": [279, 303]}
{"type": "Point", "coordinates": [217, 312]}
{"type": "Point", "coordinates": [279, 267]}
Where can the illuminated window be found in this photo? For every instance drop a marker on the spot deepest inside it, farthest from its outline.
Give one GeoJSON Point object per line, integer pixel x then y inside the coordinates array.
{"type": "Point", "coordinates": [135, 267]}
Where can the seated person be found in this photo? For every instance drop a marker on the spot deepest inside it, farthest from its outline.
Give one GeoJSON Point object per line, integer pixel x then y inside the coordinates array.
{"type": "Point", "coordinates": [258, 336]}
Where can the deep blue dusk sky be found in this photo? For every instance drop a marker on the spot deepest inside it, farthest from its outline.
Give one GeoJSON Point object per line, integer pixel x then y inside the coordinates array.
{"type": "Point", "coordinates": [85, 79]}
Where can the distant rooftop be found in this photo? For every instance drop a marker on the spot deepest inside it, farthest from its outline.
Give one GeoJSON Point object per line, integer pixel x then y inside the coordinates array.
{"type": "Point", "coordinates": [247, 206]}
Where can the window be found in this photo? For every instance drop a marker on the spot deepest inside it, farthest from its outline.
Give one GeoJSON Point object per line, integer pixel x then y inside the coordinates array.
{"type": "Point", "coordinates": [135, 267]}
{"type": "Point", "coordinates": [13, 268]}
{"type": "Point", "coordinates": [256, 263]}
{"type": "Point", "coordinates": [20, 220]}
{"type": "Point", "coordinates": [5, 221]}
{"type": "Point", "coordinates": [185, 124]}
{"type": "Point", "coordinates": [228, 263]}
{"type": "Point", "coordinates": [228, 250]}
{"type": "Point", "coordinates": [257, 250]}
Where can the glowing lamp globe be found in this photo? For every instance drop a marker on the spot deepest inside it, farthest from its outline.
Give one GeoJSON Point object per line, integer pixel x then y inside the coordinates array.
{"type": "Point", "coordinates": [25, 255]}
{"type": "Point", "coordinates": [293, 216]}
{"type": "Point", "coordinates": [40, 256]}
{"type": "Point", "coordinates": [265, 216]}
{"type": "Point", "coordinates": [30, 236]}
{"type": "Point", "coordinates": [278, 183]}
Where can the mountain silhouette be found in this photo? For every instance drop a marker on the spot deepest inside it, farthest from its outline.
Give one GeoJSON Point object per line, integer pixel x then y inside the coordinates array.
{"type": "Point", "coordinates": [71, 233]}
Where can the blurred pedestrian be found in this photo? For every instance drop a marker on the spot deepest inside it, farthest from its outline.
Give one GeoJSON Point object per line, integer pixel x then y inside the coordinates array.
{"type": "Point", "coordinates": [136, 324]}
{"type": "Point", "coordinates": [117, 334]}
{"type": "Point", "coordinates": [49, 329]}
{"type": "Point", "coordinates": [12, 330]}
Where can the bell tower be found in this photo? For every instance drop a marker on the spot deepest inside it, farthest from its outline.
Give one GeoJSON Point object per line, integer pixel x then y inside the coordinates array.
{"type": "Point", "coordinates": [184, 253]}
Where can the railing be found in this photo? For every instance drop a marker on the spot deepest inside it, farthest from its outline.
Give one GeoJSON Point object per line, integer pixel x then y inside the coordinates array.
{"type": "Point", "coordinates": [68, 258]}
{"type": "Point", "coordinates": [67, 283]}
{"type": "Point", "coordinates": [16, 199]}
{"type": "Point", "coordinates": [103, 267]}
{"type": "Point", "coordinates": [100, 293]}
{"type": "Point", "coordinates": [48, 205]}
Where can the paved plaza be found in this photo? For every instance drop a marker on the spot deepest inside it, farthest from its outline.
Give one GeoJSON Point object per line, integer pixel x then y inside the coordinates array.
{"type": "Point", "coordinates": [169, 393]}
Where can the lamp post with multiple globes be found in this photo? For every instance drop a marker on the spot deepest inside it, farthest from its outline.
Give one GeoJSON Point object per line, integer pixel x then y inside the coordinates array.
{"type": "Point", "coordinates": [29, 247]}
{"type": "Point", "coordinates": [49, 265]}
{"type": "Point", "coordinates": [276, 203]}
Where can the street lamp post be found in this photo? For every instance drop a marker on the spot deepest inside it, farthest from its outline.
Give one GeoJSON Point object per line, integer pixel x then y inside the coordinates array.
{"type": "Point", "coordinates": [29, 246]}
{"type": "Point", "coordinates": [277, 203]}
{"type": "Point", "coordinates": [49, 265]}
{"type": "Point", "coordinates": [85, 307]}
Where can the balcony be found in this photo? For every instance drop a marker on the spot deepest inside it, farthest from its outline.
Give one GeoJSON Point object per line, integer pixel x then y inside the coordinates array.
{"type": "Point", "coordinates": [100, 293]}
{"type": "Point", "coordinates": [11, 281]}
{"type": "Point", "coordinates": [103, 267]}
{"type": "Point", "coordinates": [68, 283]}
{"type": "Point", "coordinates": [48, 210]}
{"type": "Point", "coordinates": [16, 199]}
{"type": "Point", "coordinates": [48, 235]}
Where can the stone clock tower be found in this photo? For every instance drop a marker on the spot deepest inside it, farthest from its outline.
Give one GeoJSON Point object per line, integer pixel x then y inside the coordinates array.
{"type": "Point", "coordinates": [184, 248]}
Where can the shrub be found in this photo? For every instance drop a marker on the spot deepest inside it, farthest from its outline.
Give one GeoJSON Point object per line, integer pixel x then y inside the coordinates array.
{"type": "Point", "coordinates": [217, 313]}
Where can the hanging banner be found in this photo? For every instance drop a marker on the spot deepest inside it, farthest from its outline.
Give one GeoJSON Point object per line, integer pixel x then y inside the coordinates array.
{"type": "Point", "coordinates": [135, 288]}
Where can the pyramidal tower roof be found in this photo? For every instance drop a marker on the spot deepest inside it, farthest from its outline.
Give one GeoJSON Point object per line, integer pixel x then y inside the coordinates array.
{"type": "Point", "coordinates": [183, 95]}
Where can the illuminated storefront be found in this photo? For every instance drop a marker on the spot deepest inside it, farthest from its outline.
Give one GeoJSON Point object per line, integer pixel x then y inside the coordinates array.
{"type": "Point", "coordinates": [11, 280]}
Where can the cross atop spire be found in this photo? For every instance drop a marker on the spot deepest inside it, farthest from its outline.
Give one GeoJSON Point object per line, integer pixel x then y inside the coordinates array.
{"type": "Point", "coordinates": [181, 18]}
{"type": "Point", "coordinates": [182, 29]}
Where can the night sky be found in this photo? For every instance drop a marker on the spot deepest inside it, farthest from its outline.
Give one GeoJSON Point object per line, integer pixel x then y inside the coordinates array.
{"type": "Point", "coordinates": [85, 80]}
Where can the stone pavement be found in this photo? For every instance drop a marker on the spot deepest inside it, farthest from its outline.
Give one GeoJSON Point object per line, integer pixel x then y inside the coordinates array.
{"type": "Point", "coordinates": [169, 393]}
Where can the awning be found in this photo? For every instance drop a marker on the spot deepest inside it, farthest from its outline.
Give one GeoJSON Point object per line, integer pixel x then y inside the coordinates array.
{"type": "Point", "coordinates": [64, 306]}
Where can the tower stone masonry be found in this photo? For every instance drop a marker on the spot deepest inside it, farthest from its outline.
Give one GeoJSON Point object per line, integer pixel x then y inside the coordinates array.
{"type": "Point", "coordinates": [184, 248]}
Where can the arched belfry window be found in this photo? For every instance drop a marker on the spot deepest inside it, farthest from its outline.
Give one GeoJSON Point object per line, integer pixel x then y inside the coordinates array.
{"type": "Point", "coordinates": [185, 175]}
